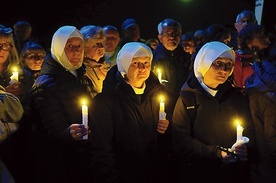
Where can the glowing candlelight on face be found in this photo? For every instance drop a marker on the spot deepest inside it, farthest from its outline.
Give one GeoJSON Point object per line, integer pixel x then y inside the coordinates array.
{"type": "Point", "coordinates": [162, 114]}
{"type": "Point", "coordinates": [159, 75]}
{"type": "Point", "coordinates": [239, 131]}
{"type": "Point", "coordinates": [84, 109]}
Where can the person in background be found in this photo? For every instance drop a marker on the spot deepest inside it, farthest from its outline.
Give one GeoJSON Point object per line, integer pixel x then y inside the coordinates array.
{"type": "Point", "coordinates": [152, 43]}
{"type": "Point", "coordinates": [200, 38]}
{"type": "Point", "coordinates": [130, 32]}
{"type": "Point", "coordinates": [252, 45]}
{"type": "Point", "coordinates": [11, 111]}
{"type": "Point", "coordinates": [56, 95]}
{"type": "Point", "coordinates": [24, 140]}
{"type": "Point", "coordinates": [189, 46]}
{"type": "Point", "coordinates": [31, 58]}
{"type": "Point", "coordinates": [204, 134]}
{"type": "Point", "coordinates": [260, 87]}
{"type": "Point", "coordinates": [96, 66]}
{"type": "Point", "coordinates": [22, 34]}
{"type": "Point", "coordinates": [243, 19]}
{"type": "Point", "coordinates": [9, 60]}
{"type": "Point", "coordinates": [170, 59]}
{"type": "Point", "coordinates": [217, 32]}
{"type": "Point", "coordinates": [127, 114]}
{"type": "Point", "coordinates": [111, 44]}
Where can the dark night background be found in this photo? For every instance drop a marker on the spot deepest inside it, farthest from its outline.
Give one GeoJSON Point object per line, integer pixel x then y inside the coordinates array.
{"type": "Point", "coordinates": [46, 16]}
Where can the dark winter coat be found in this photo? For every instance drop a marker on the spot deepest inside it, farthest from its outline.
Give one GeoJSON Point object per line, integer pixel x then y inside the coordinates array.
{"type": "Point", "coordinates": [261, 89]}
{"type": "Point", "coordinates": [128, 123]}
{"type": "Point", "coordinates": [55, 102]}
{"type": "Point", "coordinates": [198, 131]}
{"type": "Point", "coordinates": [175, 69]}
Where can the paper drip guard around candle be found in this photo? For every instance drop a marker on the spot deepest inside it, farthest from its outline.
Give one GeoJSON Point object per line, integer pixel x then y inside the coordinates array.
{"type": "Point", "coordinates": [84, 110]}
{"type": "Point", "coordinates": [240, 139]}
{"type": "Point", "coordinates": [162, 114]}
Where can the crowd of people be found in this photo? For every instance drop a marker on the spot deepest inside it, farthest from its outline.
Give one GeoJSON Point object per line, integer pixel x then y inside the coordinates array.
{"type": "Point", "coordinates": [180, 106]}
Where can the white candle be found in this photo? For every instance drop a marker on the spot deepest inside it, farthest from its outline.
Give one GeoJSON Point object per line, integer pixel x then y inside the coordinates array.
{"type": "Point", "coordinates": [162, 114]}
{"type": "Point", "coordinates": [239, 131]}
{"type": "Point", "coordinates": [159, 75]}
{"type": "Point", "coordinates": [84, 116]}
{"type": "Point", "coordinates": [14, 75]}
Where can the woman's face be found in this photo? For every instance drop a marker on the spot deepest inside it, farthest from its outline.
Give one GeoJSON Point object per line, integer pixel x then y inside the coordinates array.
{"type": "Point", "coordinates": [94, 49]}
{"type": "Point", "coordinates": [34, 59]}
{"type": "Point", "coordinates": [219, 72]}
{"type": "Point", "coordinates": [74, 50]}
{"type": "Point", "coordinates": [259, 40]}
{"type": "Point", "coordinates": [5, 48]}
{"type": "Point", "coordinates": [139, 71]}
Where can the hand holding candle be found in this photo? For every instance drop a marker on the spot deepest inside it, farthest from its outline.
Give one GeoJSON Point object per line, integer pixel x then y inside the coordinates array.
{"type": "Point", "coordinates": [84, 116]}
{"type": "Point", "coordinates": [162, 114]}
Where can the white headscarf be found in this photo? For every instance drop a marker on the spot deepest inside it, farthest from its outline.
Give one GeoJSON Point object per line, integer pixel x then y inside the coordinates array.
{"type": "Point", "coordinates": [59, 40]}
{"type": "Point", "coordinates": [208, 54]}
{"type": "Point", "coordinates": [130, 51]}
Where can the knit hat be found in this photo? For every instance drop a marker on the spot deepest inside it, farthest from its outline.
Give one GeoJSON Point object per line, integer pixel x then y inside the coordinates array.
{"type": "Point", "coordinates": [128, 52]}
{"type": "Point", "coordinates": [208, 54]}
{"type": "Point", "coordinates": [59, 40]}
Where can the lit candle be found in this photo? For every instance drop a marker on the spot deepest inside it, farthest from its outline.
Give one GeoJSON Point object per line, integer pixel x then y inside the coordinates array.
{"type": "Point", "coordinates": [239, 131]}
{"type": "Point", "coordinates": [159, 75]}
{"type": "Point", "coordinates": [14, 74]}
{"type": "Point", "coordinates": [162, 114]}
{"type": "Point", "coordinates": [84, 116]}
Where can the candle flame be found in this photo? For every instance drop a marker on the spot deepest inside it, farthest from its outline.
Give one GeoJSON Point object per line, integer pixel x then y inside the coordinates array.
{"type": "Point", "coordinates": [158, 70]}
{"type": "Point", "coordinates": [14, 69]}
{"type": "Point", "coordinates": [83, 101]}
{"type": "Point", "coordinates": [237, 123]}
{"type": "Point", "coordinates": [161, 99]}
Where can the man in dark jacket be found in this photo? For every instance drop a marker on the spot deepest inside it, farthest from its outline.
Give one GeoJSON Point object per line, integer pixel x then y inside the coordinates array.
{"type": "Point", "coordinates": [170, 59]}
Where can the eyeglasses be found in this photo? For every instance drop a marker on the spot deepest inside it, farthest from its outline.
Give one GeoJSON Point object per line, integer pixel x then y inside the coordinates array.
{"type": "Point", "coordinates": [35, 57]}
{"type": "Point", "coordinates": [6, 46]}
{"type": "Point", "coordinates": [166, 34]}
{"type": "Point", "coordinates": [228, 66]}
